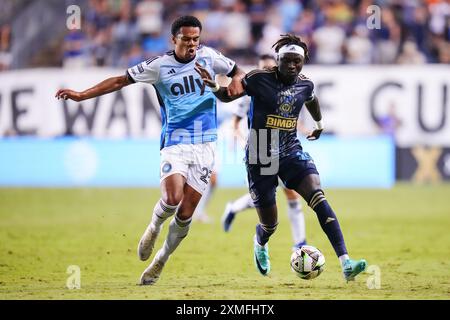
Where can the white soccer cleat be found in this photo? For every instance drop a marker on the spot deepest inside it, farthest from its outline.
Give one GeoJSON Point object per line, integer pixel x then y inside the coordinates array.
{"type": "Point", "coordinates": [152, 273]}
{"type": "Point", "coordinates": [147, 242]}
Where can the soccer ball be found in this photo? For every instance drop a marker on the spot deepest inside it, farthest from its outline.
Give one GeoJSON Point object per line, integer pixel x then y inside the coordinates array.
{"type": "Point", "coordinates": [307, 262]}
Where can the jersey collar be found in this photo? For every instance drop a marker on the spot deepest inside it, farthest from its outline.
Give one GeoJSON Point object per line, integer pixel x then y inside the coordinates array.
{"type": "Point", "coordinates": [183, 61]}
{"type": "Point", "coordinates": [284, 84]}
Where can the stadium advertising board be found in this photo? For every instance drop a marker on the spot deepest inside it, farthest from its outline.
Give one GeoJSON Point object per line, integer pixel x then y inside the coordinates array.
{"type": "Point", "coordinates": [69, 162]}
{"type": "Point", "coordinates": [423, 164]}
{"type": "Point", "coordinates": [353, 100]}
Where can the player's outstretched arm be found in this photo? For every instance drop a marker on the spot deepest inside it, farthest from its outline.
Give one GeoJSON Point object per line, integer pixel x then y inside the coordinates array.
{"type": "Point", "coordinates": [314, 109]}
{"type": "Point", "coordinates": [104, 87]}
{"type": "Point", "coordinates": [221, 93]}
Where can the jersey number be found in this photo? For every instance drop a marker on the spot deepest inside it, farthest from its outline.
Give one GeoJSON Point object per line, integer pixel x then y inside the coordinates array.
{"type": "Point", "coordinates": [206, 175]}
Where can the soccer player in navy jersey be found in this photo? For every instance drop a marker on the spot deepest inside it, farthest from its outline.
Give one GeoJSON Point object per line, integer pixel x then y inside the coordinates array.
{"type": "Point", "coordinates": [189, 131]}
{"type": "Point", "coordinates": [273, 149]}
{"type": "Point", "coordinates": [233, 208]}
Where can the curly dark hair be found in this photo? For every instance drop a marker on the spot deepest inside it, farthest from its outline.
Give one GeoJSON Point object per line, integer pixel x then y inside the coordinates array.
{"type": "Point", "coordinates": [185, 21]}
{"type": "Point", "coordinates": [291, 39]}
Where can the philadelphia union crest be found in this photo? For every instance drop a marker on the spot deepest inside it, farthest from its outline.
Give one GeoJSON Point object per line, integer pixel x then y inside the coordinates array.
{"type": "Point", "coordinates": [286, 100]}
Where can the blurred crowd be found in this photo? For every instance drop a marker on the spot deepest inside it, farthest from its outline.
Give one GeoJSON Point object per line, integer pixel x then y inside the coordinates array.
{"type": "Point", "coordinates": [5, 47]}
{"type": "Point", "coordinates": [121, 33]}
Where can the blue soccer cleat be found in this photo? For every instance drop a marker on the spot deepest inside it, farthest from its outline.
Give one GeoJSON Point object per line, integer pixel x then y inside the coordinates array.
{"type": "Point", "coordinates": [227, 217]}
{"type": "Point", "coordinates": [261, 255]}
{"type": "Point", "coordinates": [352, 268]}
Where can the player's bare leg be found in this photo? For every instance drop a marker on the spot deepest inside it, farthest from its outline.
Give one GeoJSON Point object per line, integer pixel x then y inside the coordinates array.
{"type": "Point", "coordinates": [310, 190]}
{"type": "Point", "coordinates": [178, 230]}
{"type": "Point", "coordinates": [171, 195]}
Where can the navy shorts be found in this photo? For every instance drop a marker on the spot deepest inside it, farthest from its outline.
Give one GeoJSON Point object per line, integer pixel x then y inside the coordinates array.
{"type": "Point", "coordinates": [291, 171]}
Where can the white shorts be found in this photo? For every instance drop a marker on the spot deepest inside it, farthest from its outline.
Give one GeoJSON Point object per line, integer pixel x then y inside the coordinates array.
{"type": "Point", "coordinates": [195, 162]}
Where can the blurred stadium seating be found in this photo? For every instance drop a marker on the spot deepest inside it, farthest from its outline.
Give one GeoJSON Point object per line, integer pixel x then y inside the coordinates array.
{"type": "Point", "coordinates": [120, 32]}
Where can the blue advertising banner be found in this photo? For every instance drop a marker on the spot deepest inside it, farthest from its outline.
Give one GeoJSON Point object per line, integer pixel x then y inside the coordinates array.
{"type": "Point", "coordinates": [77, 162]}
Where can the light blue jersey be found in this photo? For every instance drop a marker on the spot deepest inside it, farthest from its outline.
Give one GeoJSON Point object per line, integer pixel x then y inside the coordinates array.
{"type": "Point", "coordinates": [188, 107]}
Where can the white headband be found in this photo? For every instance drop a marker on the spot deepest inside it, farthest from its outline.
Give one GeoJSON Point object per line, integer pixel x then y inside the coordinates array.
{"type": "Point", "coordinates": [291, 48]}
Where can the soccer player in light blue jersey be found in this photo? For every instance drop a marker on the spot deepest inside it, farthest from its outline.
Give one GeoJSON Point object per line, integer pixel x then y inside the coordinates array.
{"type": "Point", "coordinates": [189, 123]}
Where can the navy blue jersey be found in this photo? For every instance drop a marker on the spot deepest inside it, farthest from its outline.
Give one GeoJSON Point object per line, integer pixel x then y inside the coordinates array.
{"type": "Point", "coordinates": [273, 114]}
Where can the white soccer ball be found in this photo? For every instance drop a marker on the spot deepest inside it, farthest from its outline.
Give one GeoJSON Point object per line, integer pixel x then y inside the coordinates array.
{"type": "Point", "coordinates": [307, 262]}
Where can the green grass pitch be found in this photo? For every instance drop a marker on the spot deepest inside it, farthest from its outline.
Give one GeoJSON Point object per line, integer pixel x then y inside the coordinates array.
{"type": "Point", "coordinates": [403, 233]}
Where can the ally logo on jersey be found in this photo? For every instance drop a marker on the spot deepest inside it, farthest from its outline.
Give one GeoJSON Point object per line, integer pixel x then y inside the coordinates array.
{"type": "Point", "coordinates": [187, 85]}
